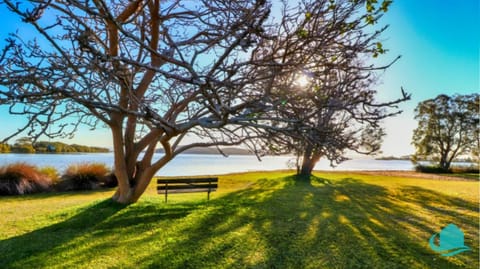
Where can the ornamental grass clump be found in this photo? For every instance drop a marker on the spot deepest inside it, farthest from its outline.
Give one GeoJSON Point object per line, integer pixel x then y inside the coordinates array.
{"type": "Point", "coordinates": [84, 176]}
{"type": "Point", "coordinates": [22, 178]}
{"type": "Point", "coordinates": [51, 172]}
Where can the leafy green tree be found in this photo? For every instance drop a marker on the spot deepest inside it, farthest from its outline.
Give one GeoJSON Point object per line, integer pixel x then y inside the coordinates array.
{"type": "Point", "coordinates": [4, 148]}
{"type": "Point", "coordinates": [58, 147]}
{"type": "Point", "coordinates": [447, 128]}
{"type": "Point", "coordinates": [23, 145]}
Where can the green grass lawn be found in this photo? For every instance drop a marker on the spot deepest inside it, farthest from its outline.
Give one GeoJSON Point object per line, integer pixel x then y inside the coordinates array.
{"type": "Point", "coordinates": [255, 220]}
{"type": "Point", "coordinates": [471, 176]}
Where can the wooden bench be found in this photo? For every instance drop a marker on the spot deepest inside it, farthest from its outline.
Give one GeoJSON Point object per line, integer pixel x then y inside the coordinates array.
{"type": "Point", "coordinates": [183, 185]}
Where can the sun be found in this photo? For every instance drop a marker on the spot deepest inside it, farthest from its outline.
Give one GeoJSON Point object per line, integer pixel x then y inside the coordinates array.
{"type": "Point", "coordinates": [302, 81]}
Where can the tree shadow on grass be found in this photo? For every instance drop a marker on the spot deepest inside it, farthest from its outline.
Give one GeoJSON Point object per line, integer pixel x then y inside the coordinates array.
{"type": "Point", "coordinates": [71, 243]}
{"type": "Point", "coordinates": [317, 224]}
{"type": "Point", "coordinates": [275, 223]}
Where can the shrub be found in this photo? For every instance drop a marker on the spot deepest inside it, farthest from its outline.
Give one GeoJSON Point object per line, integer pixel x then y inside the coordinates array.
{"type": "Point", "coordinates": [109, 181]}
{"type": "Point", "coordinates": [466, 169]}
{"type": "Point", "coordinates": [474, 169]}
{"type": "Point", "coordinates": [50, 172]}
{"type": "Point", "coordinates": [22, 178]}
{"type": "Point", "coordinates": [85, 176]}
{"type": "Point", "coordinates": [431, 169]}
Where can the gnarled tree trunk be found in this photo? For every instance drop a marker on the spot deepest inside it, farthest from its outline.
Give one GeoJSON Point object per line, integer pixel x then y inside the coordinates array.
{"type": "Point", "coordinates": [309, 160]}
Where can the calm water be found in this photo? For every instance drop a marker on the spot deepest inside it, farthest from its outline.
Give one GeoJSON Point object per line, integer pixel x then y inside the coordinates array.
{"type": "Point", "coordinates": [199, 164]}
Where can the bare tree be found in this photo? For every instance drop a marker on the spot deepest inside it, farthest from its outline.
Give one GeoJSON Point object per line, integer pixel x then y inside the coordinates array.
{"type": "Point", "coordinates": [329, 99]}
{"type": "Point", "coordinates": [156, 71]}
{"type": "Point", "coordinates": [152, 71]}
{"type": "Point", "coordinates": [332, 121]}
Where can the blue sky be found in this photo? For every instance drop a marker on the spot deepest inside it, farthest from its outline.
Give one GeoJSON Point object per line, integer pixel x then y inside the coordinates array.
{"type": "Point", "coordinates": [437, 39]}
{"type": "Point", "coordinates": [439, 44]}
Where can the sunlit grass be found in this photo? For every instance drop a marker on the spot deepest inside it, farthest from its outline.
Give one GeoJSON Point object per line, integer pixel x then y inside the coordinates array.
{"type": "Point", "coordinates": [255, 220]}
{"type": "Point", "coordinates": [474, 176]}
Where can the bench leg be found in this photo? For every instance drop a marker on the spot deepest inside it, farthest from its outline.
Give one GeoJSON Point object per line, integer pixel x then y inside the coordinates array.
{"type": "Point", "coordinates": [166, 192]}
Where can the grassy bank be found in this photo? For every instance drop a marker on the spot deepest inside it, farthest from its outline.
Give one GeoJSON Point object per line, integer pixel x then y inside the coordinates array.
{"type": "Point", "coordinates": [255, 220]}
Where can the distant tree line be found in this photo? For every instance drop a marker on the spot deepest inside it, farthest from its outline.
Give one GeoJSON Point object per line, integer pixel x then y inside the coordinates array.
{"type": "Point", "coordinates": [24, 145]}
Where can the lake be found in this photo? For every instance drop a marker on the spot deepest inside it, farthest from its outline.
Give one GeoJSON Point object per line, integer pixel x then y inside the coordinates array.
{"type": "Point", "coordinates": [202, 164]}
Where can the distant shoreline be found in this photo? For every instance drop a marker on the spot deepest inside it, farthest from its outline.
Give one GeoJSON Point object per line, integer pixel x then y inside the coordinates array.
{"type": "Point", "coordinates": [408, 158]}
{"type": "Point", "coordinates": [393, 158]}
{"type": "Point", "coordinates": [214, 151]}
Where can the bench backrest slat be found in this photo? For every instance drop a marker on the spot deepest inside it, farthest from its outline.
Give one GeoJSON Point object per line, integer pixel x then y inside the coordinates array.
{"type": "Point", "coordinates": [187, 180]}
{"type": "Point", "coordinates": [183, 191]}
{"type": "Point", "coordinates": [189, 186]}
